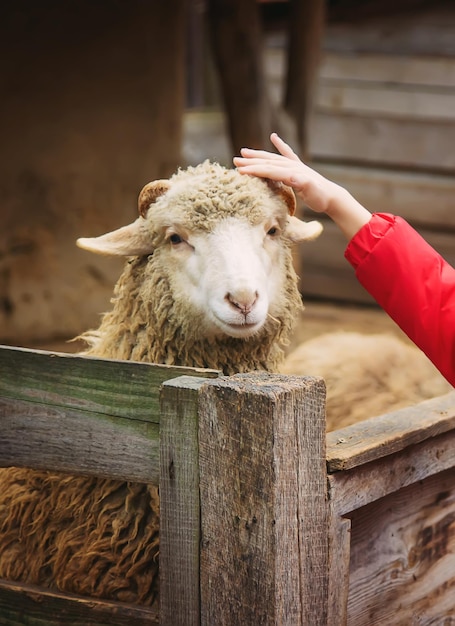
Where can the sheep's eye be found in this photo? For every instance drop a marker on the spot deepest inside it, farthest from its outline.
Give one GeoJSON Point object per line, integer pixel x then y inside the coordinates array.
{"type": "Point", "coordinates": [175, 239]}
{"type": "Point", "coordinates": [272, 231]}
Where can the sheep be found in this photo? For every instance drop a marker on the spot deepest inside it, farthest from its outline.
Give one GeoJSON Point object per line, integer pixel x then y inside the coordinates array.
{"type": "Point", "coordinates": [208, 282]}
{"type": "Point", "coordinates": [365, 375]}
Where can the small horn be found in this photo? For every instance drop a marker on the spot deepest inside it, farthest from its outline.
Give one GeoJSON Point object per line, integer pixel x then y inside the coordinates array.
{"type": "Point", "coordinates": [285, 192]}
{"type": "Point", "coordinates": [150, 193]}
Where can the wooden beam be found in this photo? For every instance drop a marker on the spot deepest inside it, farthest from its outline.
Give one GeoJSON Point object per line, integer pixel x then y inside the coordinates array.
{"type": "Point", "coordinates": [34, 606]}
{"type": "Point", "coordinates": [180, 524]}
{"type": "Point", "coordinates": [264, 550]}
{"type": "Point", "coordinates": [381, 436]}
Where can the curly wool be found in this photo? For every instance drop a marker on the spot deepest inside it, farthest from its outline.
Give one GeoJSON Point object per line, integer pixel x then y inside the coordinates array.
{"type": "Point", "coordinates": [89, 536]}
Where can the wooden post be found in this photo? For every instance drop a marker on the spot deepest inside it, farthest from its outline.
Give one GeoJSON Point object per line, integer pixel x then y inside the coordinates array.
{"type": "Point", "coordinates": [264, 550]}
{"type": "Point", "coordinates": [179, 503]}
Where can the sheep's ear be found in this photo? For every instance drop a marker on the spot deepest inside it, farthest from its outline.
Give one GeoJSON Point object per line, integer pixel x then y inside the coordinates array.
{"type": "Point", "coordinates": [286, 193]}
{"type": "Point", "coordinates": [150, 193]}
{"type": "Point", "coordinates": [131, 240]}
{"type": "Point", "coordinates": [298, 231]}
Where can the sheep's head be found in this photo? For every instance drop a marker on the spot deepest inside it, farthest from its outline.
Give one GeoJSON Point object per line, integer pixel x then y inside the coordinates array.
{"type": "Point", "coordinates": [223, 241]}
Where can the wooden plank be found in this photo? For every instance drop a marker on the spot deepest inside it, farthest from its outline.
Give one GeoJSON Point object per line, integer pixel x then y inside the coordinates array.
{"type": "Point", "coordinates": [108, 387]}
{"type": "Point", "coordinates": [351, 489]}
{"type": "Point", "coordinates": [385, 101]}
{"type": "Point", "coordinates": [180, 524]}
{"type": "Point", "coordinates": [424, 199]}
{"type": "Point", "coordinates": [386, 434]}
{"type": "Point", "coordinates": [403, 558]}
{"type": "Point", "coordinates": [82, 415]}
{"type": "Point", "coordinates": [28, 604]}
{"type": "Point", "coordinates": [339, 555]}
{"type": "Point", "coordinates": [263, 501]}
{"type": "Point", "coordinates": [78, 442]}
{"type": "Point", "coordinates": [429, 31]}
{"type": "Point", "coordinates": [393, 69]}
{"type": "Point", "coordinates": [407, 143]}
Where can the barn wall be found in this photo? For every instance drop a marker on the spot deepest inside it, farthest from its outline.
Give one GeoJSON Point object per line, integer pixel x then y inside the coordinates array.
{"type": "Point", "coordinates": [90, 111]}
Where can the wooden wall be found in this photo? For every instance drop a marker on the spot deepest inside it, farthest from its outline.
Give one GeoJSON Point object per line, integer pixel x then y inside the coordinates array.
{"type": "Point", "coordinates": [90, 111]}
{"type": "Point", "coordinates": [383, 126]}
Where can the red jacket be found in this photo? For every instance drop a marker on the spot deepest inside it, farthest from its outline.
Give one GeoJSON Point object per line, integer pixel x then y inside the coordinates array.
{"type": "Point", "coordinates": [411, 282]}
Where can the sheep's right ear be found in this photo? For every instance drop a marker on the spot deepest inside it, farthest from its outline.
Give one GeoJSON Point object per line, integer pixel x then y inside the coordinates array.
{"type": "Point", "coordinates": [131, 240]}
{"type": "Point", "coordinates": [150, 193]}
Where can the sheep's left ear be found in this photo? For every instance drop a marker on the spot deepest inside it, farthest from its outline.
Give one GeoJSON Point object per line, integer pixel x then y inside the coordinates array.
{"type": "Point", "coordinates": [131, 240]}
{"type": "Point", "coordinates": [298, 230]}
{"type": "Point", "coordinates": [285, 192]}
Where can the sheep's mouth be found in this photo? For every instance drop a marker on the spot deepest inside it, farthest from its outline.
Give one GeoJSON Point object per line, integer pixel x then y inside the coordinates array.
{"type": "Point", "coordinates": [245, 329]}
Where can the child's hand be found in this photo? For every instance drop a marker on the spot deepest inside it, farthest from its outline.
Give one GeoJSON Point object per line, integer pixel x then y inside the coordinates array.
{"type": "Point", "coordinates": [318, 193]}
{"type": "Point", "coordinates": [315, 190]}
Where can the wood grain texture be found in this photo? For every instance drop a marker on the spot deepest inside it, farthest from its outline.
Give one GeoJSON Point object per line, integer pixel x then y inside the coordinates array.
{"type": "Point", "coordinates": [82, 415]}
{"type": "Point", "coordinates": [383, 435]}
{"type": "Point", "coordinates": [403, 557]}
{"type": "Point", "coordinates": [180, 524]}
{"type": "Point", "coordinates": [416, 144]}
{"type": "Point", "coordinates": [22, 604]}
{"type": "Point", "coordinates": [263, 501]}
{"type": "Point", "coordinates": [78, 442]}
{"type": "Point", "coordinates": [422, 198]}
{"type": "Point", "coordinates": [109, 387]}
{"type": "Point", "coordinates": [349, 490]}
{"type": "Point", "coordinates": [338, 568]}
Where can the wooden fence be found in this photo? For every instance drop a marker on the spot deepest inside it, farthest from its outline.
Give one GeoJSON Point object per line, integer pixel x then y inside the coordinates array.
{"type": "Point", "coordinates": [264, 519]}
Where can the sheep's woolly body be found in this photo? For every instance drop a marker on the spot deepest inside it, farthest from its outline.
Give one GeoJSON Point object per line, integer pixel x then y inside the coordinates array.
{"type": "Point", "coordinates": [100, 537]}
{"type": "Point", "coordinates": [90, 536]}
{"type": "Point", "coordinates": [366, 375]}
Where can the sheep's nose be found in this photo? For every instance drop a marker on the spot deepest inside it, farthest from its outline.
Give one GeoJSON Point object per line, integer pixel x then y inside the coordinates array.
{"type": "Point", "coordinates": [243, 300]}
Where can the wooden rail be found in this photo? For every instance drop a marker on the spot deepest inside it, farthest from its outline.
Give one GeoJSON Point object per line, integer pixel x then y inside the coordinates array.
{"type": "Point", "coordinates": [264, 519]}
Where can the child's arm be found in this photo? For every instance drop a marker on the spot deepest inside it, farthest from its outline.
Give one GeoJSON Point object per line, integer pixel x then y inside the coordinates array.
{"type": "Point", "coordinates": [319, 193]}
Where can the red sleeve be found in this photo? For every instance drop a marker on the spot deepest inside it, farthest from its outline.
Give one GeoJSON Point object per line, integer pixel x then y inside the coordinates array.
{"type": "Point", "coordinates": [411, 282]}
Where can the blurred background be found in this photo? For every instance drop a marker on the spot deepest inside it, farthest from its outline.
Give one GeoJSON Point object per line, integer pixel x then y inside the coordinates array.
{"type": "Point", "coordinates": [98, 98]}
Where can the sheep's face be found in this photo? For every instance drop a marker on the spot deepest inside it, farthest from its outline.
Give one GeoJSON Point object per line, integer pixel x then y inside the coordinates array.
{"type": "Point", "coordinates": [231, 275]}
{"type": "Point", "coordinates": [222, 240]}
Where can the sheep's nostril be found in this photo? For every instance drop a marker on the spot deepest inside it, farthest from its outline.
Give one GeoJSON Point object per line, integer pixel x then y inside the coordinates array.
{"type": "Point", "coordinates": [243, 300]}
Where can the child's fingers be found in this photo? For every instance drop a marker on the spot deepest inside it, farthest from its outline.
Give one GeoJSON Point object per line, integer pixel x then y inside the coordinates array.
{"type": "Point", "coordinates": [283, 148]}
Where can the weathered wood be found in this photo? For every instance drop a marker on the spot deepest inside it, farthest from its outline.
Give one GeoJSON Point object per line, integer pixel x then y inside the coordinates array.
{"type": "Point", "coordinates": [263, 501]}
{"type": "Point", "coordinates": [351, 489]}
{"type": "Point", "coordinates": [338, 570]}
{"type": "Point", "coordinates": [349, 138]}
{"type": "Point", "coordinates": [180, 527]}
{"type": "Point", "coordinates": [78, 442]}
{"type": "Point", "coordinates": [381, 436]}
{"type": "Point", "coordinates": [82, 415]}
{"type": "Point", "coordinates": [424, 199]}
{"type": "Point", "coordinates": [385, 101]}
{"type": "Point", "coordinates": [393, 69]}
{"type": "Point", "coordinates": [28, 604]}
{"type": "Point", "coordinates": [402, 557]}
{"type": "Point", "coordinates": [110, 387]}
